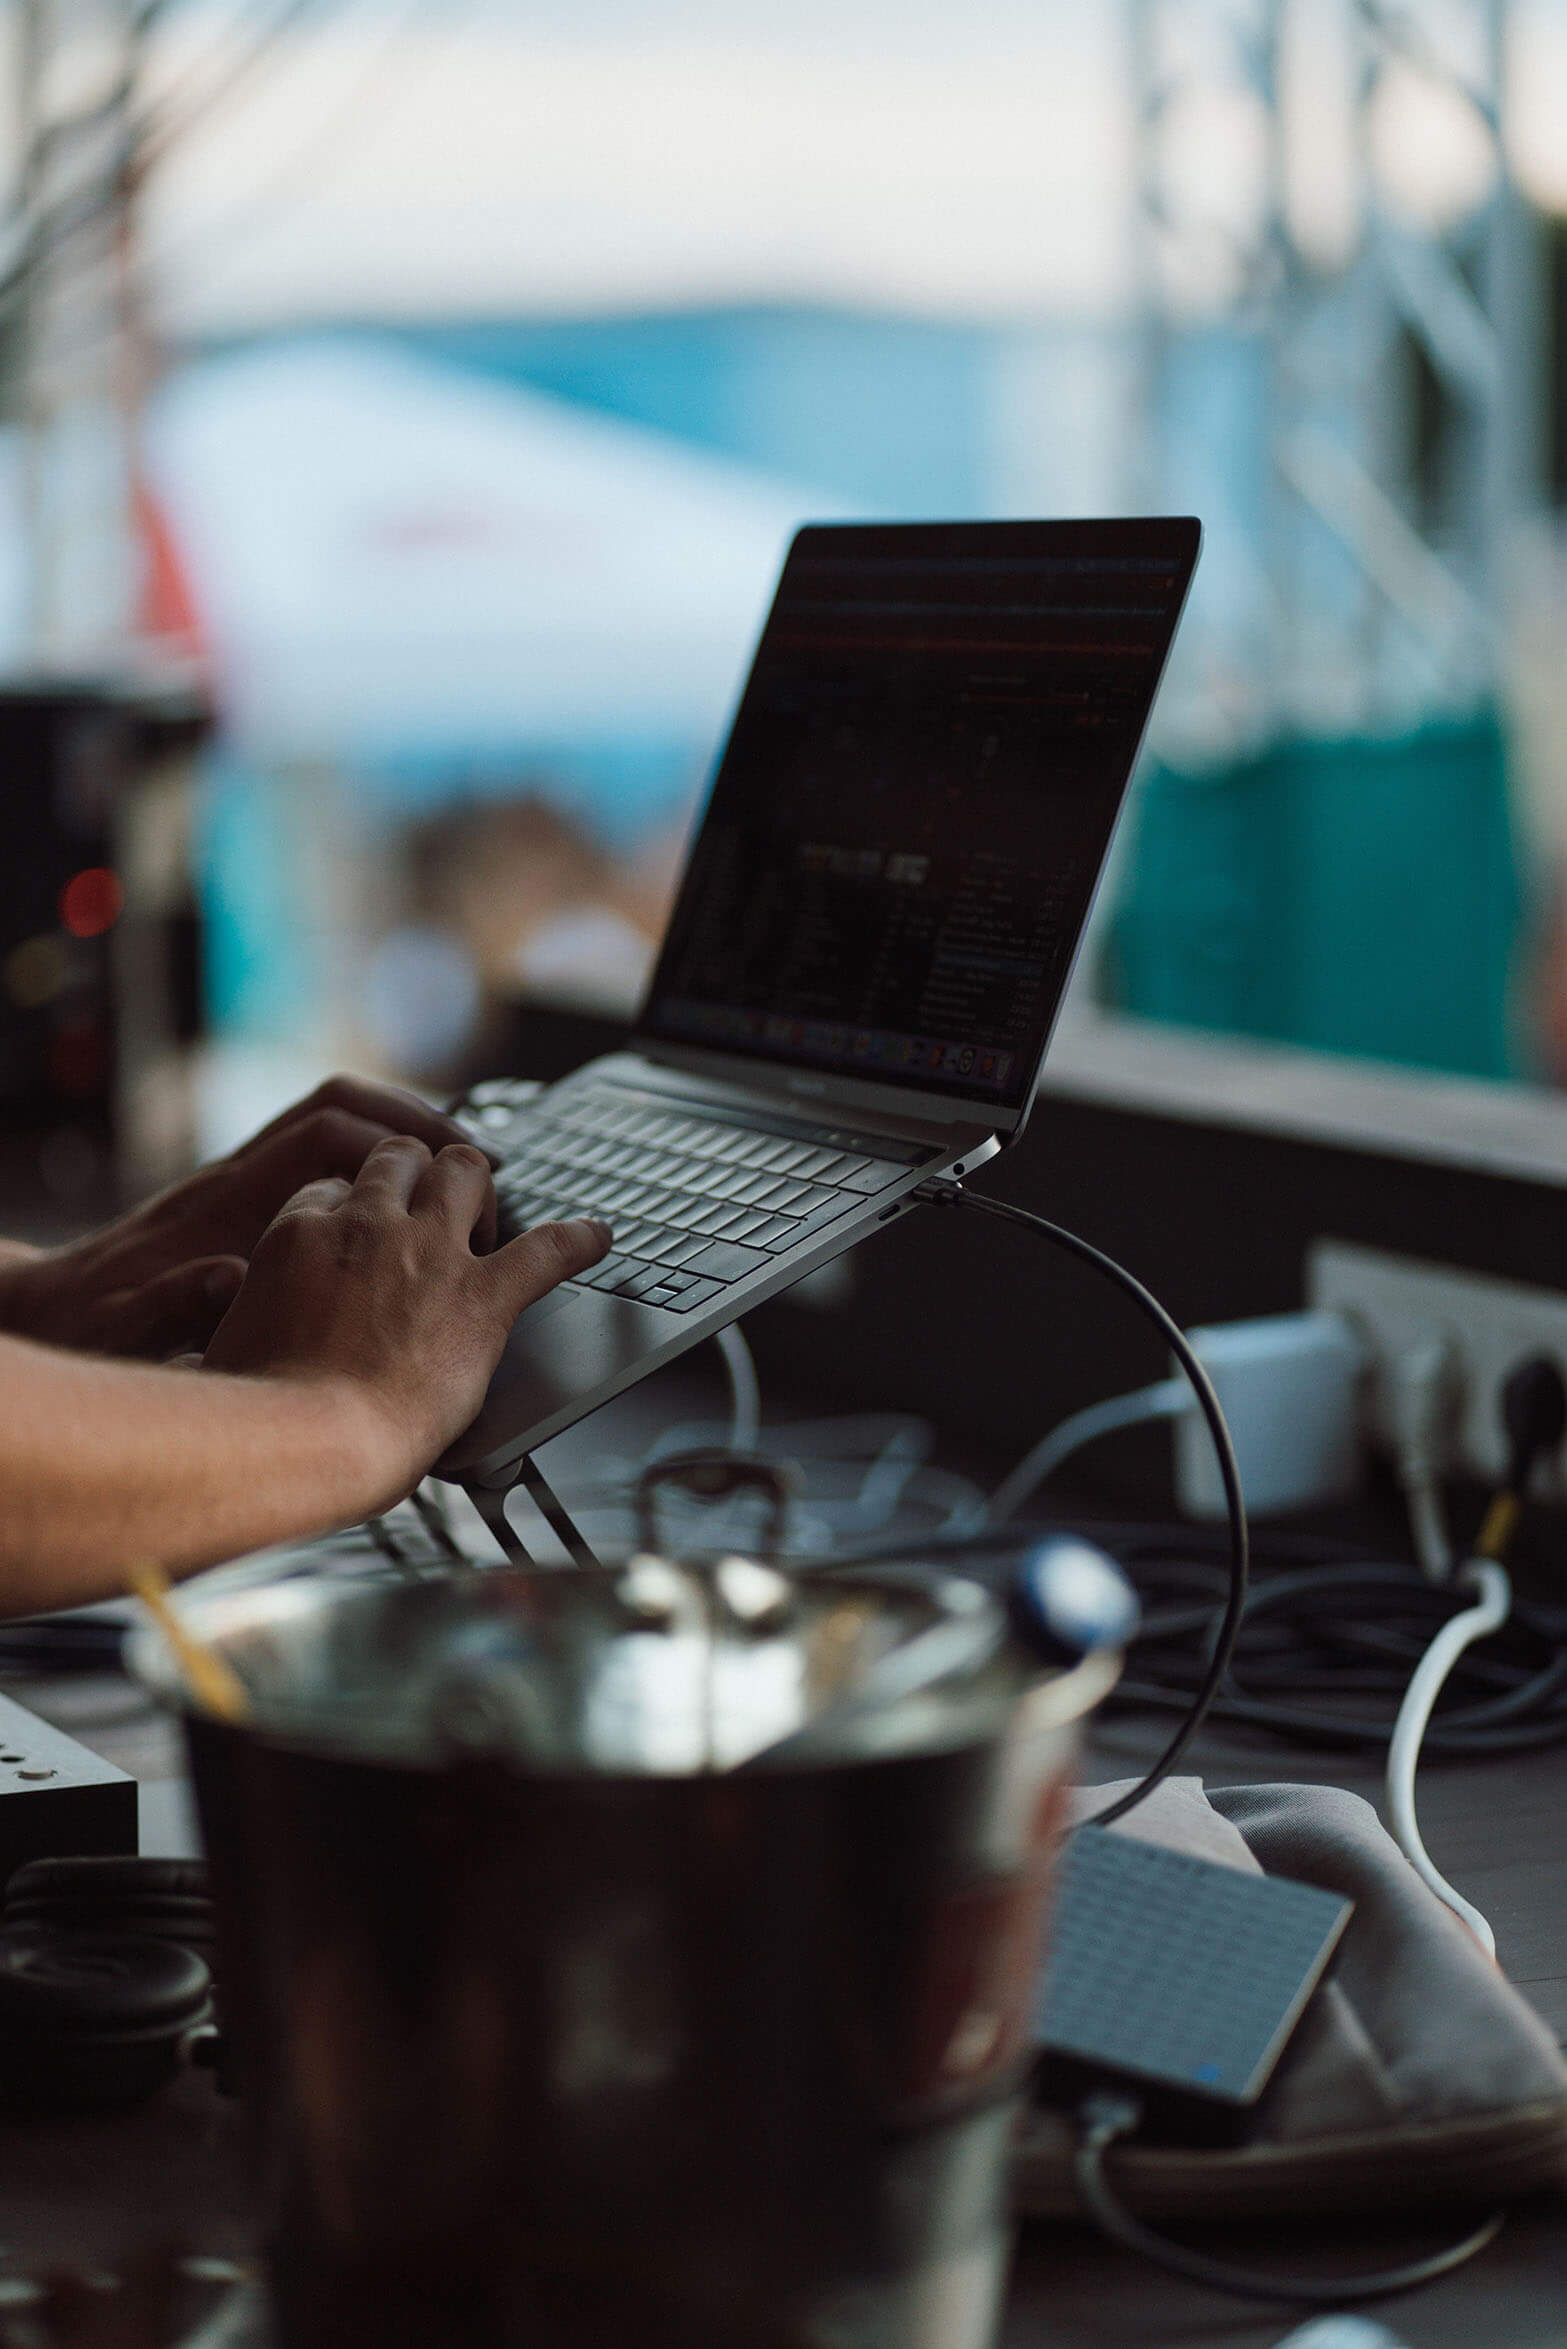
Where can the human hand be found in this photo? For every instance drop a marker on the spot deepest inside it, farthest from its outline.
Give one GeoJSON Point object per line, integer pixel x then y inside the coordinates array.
{"type": "Point", "coordinates": [157, 1281]}
{"type": "Point", "coordinates": [370, 1294]}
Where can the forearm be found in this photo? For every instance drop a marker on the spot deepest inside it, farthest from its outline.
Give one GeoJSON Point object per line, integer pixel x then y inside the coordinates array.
{"type": "Point", "coordinates": [104, 1462]}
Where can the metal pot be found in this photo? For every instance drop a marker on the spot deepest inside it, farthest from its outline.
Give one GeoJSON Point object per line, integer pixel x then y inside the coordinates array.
{"type": "Point", "coordinates": [636, 1955]}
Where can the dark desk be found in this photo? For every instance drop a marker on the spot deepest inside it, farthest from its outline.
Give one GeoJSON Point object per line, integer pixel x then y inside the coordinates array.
{"type": "Point", "coordinates": [83, 2193]}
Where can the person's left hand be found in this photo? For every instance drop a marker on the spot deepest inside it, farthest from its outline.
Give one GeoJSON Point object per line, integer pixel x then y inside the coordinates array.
{"type": "Point", "coordinates": [158, 1280]}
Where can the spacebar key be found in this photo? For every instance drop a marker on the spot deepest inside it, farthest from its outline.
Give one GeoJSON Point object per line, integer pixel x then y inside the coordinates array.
{"type": "Point", "coordinates": [727, 1261]}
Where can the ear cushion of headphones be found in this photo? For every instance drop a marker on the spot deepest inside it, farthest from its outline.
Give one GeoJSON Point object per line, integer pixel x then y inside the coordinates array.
{"type": "Point", "coordinates": [93, 2018]}
{"type": "Point", "coordinates": [167, 1900]}
{"type": "Point", "coordinates": [102, 1875]}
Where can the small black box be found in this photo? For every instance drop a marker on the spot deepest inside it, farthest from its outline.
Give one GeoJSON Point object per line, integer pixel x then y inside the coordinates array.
{"type": "Point", "coordinates": [56, 1798]}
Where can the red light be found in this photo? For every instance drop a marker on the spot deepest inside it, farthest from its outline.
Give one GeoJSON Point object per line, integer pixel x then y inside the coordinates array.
{"type": "Point", "coordinates": [92, 902]}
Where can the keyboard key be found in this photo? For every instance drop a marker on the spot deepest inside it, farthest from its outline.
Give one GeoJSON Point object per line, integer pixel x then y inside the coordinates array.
{"type": "Point", "coordinates": [841, 1168]}
{"type": "Point", "coordinates": [682, 1248]}
{"type": "Point", "coordinates": [667, 1247]}
{"type": "Point", "coordinates": [752, 1187]}
{"type": "Point", "coordinates": [731, 1183]}
{"type": "Point", "coordinates": [837, 1205]}
{"type": "Point", "coordinates": [707, 1178]}
{"type": "Point", "coordinates": [752, 1221]}
{"type": "Point", "coordinates": [710, 1218]}
{"type": "Point", "coordinates": [815, 1162]}
{"type": "Point", "coordinates": [773, 1152]}
{"type": "Point", "coordinates": [605, 1273]}
{"type": "Point", "coordinates": [874, 1175]}
{"type": "Point", "coordinates": [613, 1194]}
{"type": "Point", "coordinates": [785, 1198]}
{"type": "Point", "coordinates": [696, 1295]}
{"type": "Point", "coordinates": [757, 1149]}
{"type": "Point", "coordinates": [734, 1224]}
{"type": "Point", "coordinates": [642, 1284]}
{"type": "Point", "coordinates": [782, 1188]}
{"type": "Point", "coordinates": [725, 1261]}
{"type": "Point", "coordinates": [775, 1232]}
{"type": "Point", "coordinates": [813, 1199]}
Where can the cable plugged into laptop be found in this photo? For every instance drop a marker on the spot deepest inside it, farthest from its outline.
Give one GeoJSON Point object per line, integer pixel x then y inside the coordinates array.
{"type": "Point", "coordinates": [943, 1192]}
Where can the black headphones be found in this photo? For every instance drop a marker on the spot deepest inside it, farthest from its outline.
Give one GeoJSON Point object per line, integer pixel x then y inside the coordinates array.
{"type": "Point", "coordinates": [105, 1973]}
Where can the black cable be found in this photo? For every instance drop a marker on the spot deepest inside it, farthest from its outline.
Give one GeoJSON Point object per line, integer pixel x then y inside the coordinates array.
{"type": "Point", "coordinates": [1106, 2117]}
{"type": "Point", "coordinates": [1355, 1633]}
{"type": "Point", "coordinates": [951, 1194]}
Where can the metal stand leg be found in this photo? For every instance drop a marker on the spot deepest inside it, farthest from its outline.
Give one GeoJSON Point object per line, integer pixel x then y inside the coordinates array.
{"type": "Point", "coordinates": [490, 1501]}
{"type": "Point", "coordinates": [555, 1514]}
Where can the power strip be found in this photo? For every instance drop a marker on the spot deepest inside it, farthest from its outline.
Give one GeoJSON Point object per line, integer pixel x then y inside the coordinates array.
{"type": "Point", "coordinates": [56, 1798]}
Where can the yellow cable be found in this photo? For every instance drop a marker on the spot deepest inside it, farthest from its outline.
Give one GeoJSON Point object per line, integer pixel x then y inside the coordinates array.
{"type": "Point", "coordinates": [1501, 1523]}
{"type": "Point", "coordinates": [210, 1678]}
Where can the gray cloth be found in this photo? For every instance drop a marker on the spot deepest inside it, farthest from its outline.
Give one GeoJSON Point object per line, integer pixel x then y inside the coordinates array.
{"type": "Point", "coordinates": [1417, 2073]}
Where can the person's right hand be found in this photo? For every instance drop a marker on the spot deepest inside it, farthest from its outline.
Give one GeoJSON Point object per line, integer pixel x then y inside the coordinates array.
{"type": "Point", "coordinates": [371, 1293]}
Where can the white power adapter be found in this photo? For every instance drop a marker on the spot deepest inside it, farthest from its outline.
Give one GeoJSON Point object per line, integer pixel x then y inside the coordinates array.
{"type": "Point", "coordinates": [1289, 1387]}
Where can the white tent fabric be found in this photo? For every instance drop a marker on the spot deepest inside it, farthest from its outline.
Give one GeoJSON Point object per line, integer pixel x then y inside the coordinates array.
{"type": "Point", "coordinates": [393, 559]}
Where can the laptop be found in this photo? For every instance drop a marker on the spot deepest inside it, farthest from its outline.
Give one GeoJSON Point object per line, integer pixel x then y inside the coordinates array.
{"type": "Point", "coordinates": [876, 923]}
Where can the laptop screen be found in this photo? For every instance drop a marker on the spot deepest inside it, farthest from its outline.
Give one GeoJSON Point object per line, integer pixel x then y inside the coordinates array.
{"type": "Point", "coordinates": [910, 815]}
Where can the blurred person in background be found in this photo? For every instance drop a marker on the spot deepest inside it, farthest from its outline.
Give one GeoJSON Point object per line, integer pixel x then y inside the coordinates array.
{"type": "Point", "coordinates": [336, 1279]}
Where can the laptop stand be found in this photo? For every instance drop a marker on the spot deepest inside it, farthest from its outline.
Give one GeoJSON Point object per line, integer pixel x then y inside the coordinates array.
{"type": "Point", "coordinates": [490, 1501]}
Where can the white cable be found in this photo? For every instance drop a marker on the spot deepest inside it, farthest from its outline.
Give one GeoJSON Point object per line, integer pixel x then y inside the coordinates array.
{"type": "Point", "coordinates": [1165, 1400]}
{"type": "Point", "coordinates": [1428, 1526]}
{"type": "Point", "coordinates": [745, 1393]}
{"type": "Point", "coordinates": [1494, 1602]}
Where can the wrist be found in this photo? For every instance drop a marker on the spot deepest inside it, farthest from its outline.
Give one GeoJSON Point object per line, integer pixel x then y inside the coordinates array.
{"type": "Point", "coordinates": [370, 1455]}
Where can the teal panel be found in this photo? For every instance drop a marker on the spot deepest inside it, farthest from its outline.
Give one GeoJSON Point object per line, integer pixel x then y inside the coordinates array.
{"type": "Point", "coordinates": [1360, 895]}
{"type": "Point", "coordinates": [1190, 938]}
{"type": "Point", "coordinates": [1404, 877]}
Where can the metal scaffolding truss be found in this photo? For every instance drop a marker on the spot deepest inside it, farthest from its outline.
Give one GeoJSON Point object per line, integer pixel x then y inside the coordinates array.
{"type": "Point", "coordinates": [1397, 367]}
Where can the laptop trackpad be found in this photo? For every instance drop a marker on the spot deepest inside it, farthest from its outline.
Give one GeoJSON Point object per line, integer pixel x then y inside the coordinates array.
{"type": "Point", "coordinates": [544, 1309]}
{"type": "Point", "coordinates": [562, 1348]}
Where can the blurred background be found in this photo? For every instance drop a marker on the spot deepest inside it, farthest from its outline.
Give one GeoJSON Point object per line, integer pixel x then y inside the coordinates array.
{"type": "Point", "coordinates": [404, 405]}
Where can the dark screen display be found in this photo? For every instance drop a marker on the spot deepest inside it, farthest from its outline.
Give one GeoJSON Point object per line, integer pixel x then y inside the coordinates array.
{"type": "Point", "coordinates": [909, 818]}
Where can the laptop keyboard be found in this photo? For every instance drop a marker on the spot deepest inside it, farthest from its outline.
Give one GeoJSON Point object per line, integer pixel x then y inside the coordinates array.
{"type": "Point", "coordinates": [697, 1199]}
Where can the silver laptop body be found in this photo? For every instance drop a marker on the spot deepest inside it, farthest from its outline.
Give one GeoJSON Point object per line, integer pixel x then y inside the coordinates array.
{"type": "Point", "coordinates": [875, 927]}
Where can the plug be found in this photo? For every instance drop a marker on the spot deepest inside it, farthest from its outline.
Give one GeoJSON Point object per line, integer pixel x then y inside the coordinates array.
{"type": "Point", "coordinates": [1288, 1385]}
{"type": "Point", "coordinates": [1534, 1414]}
{"type": "Point", "coordinates": [1422, 1395]}
{"type": "Point", "coordinates": [1534, 1418]}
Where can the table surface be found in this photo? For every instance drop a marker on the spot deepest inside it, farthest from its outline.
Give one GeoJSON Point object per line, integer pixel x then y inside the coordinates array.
{"type": "Point", "coordinates": [82, 2192]}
